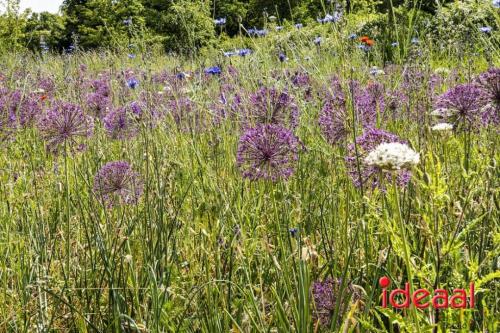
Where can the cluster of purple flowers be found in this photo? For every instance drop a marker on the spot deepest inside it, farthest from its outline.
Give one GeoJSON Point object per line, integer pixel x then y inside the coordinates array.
{"type": "Point", "coordinates": [63, 125]}
{"type": "Point", "coordinates": [116, 183]}
{"type": "Point", "coordinates": [98, 100]}
{"type": "Point", "coordinates": [271, 106]}
{"type": "Point", "coordinates": [267, 152]}
{"type": "Point", "coordinates": [327, 295]}
{"type": "Point", "coordinates": [489, 84]}
{"type": "Point", "coordinates": [464, 104]}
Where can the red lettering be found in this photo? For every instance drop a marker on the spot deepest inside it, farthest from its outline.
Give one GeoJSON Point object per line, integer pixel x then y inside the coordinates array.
{"type": "Point", "coordinates": [405, 292]}
{"type": "Point", "coordinates": [419, 295]}
{"type": "Point", "coordinates": [459, 295]}
{"type": "Point", "coordinates": [441, 294]}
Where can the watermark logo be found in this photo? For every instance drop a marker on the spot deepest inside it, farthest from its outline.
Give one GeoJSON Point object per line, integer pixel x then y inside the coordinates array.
{"type": "Point", "coordinates": [423, 298]}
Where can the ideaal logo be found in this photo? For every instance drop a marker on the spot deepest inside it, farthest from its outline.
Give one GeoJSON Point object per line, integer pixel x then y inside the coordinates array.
{"type": "Point", "coordinates": [423, 298]}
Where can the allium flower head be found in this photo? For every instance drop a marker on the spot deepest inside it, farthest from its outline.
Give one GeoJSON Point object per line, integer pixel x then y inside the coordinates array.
{"type": "Point", "coordinates": [121, 123]}
{"type": "Point", "coordinates": [7, 115]}
{"type": "Point", "coordinates": [392, 156]}
{"type": "Point", "coordinates": [270, 106]}
{"type": "Point", "coordinates": [267, 152]}
{"type": "Point", "coordinates": [489, 84]}
{"type": "Point", "coordinates": [464, 102]}
{"type": "Point", "coordinates": [333, 115]}
{"type": "Point", "coordinates": [326, 296]}
{"type": "Point", "coordinates": [368, 175]}
{"type": "Point", "coordinates": [64, 124]}
{"type": "Point", "coordinates": [117, 183]}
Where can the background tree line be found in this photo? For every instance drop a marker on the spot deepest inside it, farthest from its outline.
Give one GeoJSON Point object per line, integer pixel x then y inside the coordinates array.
{"type": "Point", "coordinates": [176, 25]}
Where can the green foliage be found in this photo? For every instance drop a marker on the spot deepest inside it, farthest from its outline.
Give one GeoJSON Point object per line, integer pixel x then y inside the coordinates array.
{"type": "Point", "coordinates": [184, 25]}
{"type": "Point", "coordinates": [100, 23]}
{"type": "Point", "coordinates": [44, 27]}
{"type": "Point", "coordinates": [457, 24]}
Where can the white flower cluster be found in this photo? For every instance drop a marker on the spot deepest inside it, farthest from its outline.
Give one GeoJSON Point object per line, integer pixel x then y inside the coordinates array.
{"type": "Point", "coordinates": [392, 156]}
{"type": "Point", "coordinates": [442, 127]}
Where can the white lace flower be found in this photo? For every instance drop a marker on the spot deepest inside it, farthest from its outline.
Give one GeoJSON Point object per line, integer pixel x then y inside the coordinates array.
{"type": "Point", "coordinates": [442, 127]}
{"type": "Point", "coordinates": [392, 156]}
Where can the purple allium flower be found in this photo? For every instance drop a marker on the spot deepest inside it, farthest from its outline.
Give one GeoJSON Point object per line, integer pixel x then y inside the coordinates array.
{"type": "Point", "coordinates": [116, 182]}
{"type": "Point", "coordinates": [326, 295]}
{"type": "Point", "coordinates": [99, 99]}
{"type": "Point", "coordinates": [7, 115]}
{"type": "Point", "coordinates": [270, 106]}
{"type": "Point", "coordinates": [464, 102]}
{"type": "Point", "coordinates": [333, 116]}
{"type": "Point", "coordinates": [370, 176]}
{"type": "Point", "coordinates": [64, 124]}
{"type": "Point", "coordinates": [489, 83]}
{"type": "Point", "coordinates": [28, 109]}
{"type": "Point", "coordinates": [332, 122]}
{"type": "Point", "coordinates": [370, 103]}
{"type": "Point", "coordinates": [97, 104]}
{"type": "Point", "coordinates": [267, 152]}
{"type": "Point", "coordinates": [396, 102]}
{"type": "Point", "coordinates": [301, 79]}
{"type": "Point", "coordinates": [121, 123]}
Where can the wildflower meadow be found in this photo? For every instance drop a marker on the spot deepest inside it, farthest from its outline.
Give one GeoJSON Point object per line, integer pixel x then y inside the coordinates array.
{"type": "Point", "coordinates": [322, 175]}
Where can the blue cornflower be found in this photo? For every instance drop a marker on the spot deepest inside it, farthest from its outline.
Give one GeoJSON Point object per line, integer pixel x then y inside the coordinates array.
{"type": "Point", "coordinates": [486, 30]}
{"type": "Point", "coordinates": [131, 56]}
{"type": "Point", "coordinates": [352, 36]}
{"type": "Point", "coordinates": [132, 83]}
{"type": "Point", "coordinates": [496, 3]}
{"type": "Point", "coordinates": [278, 28]}
{"type": "Point", "coordinates": [317, 41]}
{"type": "Point", "coordinates": [229, 54]}
{"type": "Point", "coordinates": [330, 18]}
{"type": "Point", "coordinates": [293, 231]}
{"type": "Point", "coordinates": [257, 32]}
{"type": "Point", "coordinates": [181, 76]}
{"type": "Point", "coordinates": [244, 52]}
{"type": "Point", "coordinates": [220, 21]}
{"type": "Point", "coordinates": [415, 40]}
{"type": "Point", "coordinates": [299, 25]}
{"type": "Point", "coordinates": [364, 47]}
{"type": "Point", "coordinates": [214, 70]}
{"type": "Point", "coordinates": [128, 22]}
{"type": "Point", "coordinates": [282, 57]}
{"type": "Point", "coordinates": [394, 44]}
